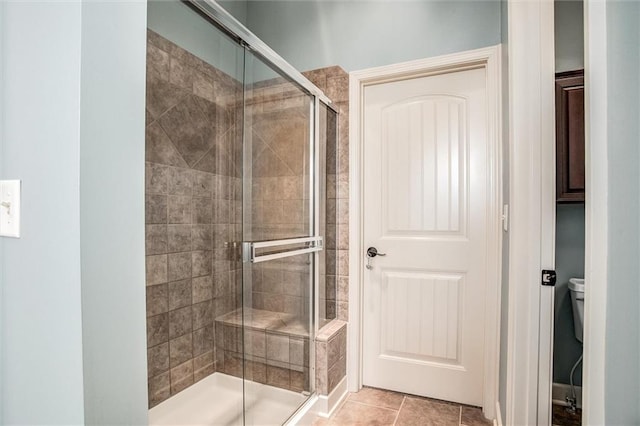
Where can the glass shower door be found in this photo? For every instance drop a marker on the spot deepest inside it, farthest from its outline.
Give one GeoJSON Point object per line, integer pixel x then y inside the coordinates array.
{"type": "Point", "coordinates": [281, 244]}
{"type": "Point", "coordinates": [193, 191]}
{"type": "Point", "coordinates": [235, 195]}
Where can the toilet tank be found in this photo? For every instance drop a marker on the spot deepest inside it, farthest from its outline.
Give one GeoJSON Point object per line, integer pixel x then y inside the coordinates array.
{"type": "Point", "coordinates": [576, 287]}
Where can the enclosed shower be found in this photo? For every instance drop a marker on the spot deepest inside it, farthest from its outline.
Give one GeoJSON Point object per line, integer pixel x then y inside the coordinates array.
{"type": "Point", "coordinates": [236, 184]}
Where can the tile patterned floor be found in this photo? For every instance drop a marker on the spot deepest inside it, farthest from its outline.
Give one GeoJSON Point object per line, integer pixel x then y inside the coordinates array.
{"type": "Point", "coordinates": [373, 406]}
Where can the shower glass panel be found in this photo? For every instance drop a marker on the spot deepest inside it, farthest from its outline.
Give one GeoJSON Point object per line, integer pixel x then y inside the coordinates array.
{"type": "Point", "coordinates": [277, 126]}
{"type": "Point", "coordinates": [237, 187]}
{"type": "Point", "coordinates": [328, 279]}
{"type": "Point", "coordinates": [279, 221]}
{"type": "Point", "coordinates": [194, 127]}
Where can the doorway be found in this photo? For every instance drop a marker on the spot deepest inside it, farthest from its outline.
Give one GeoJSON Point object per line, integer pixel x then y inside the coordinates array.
{"type": "Point", "coordinates": [570, 214]}
{"type": "Point", "coordinates": [443, 174]}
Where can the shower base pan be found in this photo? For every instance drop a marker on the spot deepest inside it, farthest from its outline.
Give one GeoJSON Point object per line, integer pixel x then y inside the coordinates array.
{"type": "Point", "coordinates": [218, 400]}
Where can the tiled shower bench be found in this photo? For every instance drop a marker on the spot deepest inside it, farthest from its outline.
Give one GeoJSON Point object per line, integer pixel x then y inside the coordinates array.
{"type": "Point", "coordinates": [276, 348]}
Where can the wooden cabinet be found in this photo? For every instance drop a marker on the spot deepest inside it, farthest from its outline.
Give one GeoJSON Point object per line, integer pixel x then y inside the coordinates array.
{"type": "Point", "coordinates": [570, 136]}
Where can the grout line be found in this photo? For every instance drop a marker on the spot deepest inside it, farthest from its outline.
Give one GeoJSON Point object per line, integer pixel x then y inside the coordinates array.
{"type": "Point", "coordinates": [404, 398]}
{"type": "Point", "coordinates": [460, 417]}
{"type": "Point", "coordinates": [371, 405]}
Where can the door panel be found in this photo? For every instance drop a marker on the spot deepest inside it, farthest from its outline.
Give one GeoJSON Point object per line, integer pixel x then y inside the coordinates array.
{"type": "Point", "coordinates": [425, 198]}
{"type": "Point", "coordinates": [426, 160]}
{"type": "Point", "coordinates": [421, 315]}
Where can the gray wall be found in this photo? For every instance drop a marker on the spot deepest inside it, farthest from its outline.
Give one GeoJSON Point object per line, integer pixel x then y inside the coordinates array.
{"type": "Point", "coordinates": [570, 223]}
{"type": "Point", "coordinates": [570, 240]}
{"type": "Point", "coordinates": [73, 96]}
{"type": "Point", "coordinates": [41, 306]}
{"type": "Point", "coordinates": [569, 35]}
{"type": "Point", "coordinates": [112, 151]}
{"type": "Point", "coordinates": [354, 35]}
{"type": "Point", "coordinates": [362, 34]}
{"type": "Point", "coordinates": [622, 369]}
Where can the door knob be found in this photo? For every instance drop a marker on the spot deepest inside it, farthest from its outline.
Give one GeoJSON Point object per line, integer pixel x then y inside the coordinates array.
{"type": "Point", "coordinates": [373, 252]}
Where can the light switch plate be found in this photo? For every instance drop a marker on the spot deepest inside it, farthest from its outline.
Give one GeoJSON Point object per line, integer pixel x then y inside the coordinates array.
{"type": "Point", "coordinates": [10, 208]}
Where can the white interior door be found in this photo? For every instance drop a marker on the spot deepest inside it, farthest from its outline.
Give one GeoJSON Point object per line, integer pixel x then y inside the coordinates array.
{"type": "Point", "coordinates": [426, 180]}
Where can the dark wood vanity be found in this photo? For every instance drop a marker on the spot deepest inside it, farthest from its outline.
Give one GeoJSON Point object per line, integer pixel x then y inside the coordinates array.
{"type": "Point", "coordinates": [570, 166]}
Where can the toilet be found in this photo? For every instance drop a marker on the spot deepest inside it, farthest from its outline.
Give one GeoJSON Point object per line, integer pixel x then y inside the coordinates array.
{"type": "Point", "coordinates": [576, 286]}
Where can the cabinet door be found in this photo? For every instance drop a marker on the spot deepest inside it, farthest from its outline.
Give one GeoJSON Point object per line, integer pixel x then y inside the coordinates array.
{"type": "Point", "coordinates": [570, 136]}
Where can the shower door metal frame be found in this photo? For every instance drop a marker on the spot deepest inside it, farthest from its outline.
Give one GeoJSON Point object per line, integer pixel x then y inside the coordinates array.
{"type": "Point", "coordinates": [238, 31]}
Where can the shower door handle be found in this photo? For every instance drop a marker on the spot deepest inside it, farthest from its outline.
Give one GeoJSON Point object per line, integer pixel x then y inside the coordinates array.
{"type": "Point", "coordinates": [263, 251]}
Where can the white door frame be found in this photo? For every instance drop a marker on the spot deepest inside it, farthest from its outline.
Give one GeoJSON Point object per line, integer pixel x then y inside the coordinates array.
{"type": "Point", "coordinates": [532, 210]}
{"type": "Point", "coordinates": [596, 196]}
{"type": "Point", "coordinates": [489, 58]}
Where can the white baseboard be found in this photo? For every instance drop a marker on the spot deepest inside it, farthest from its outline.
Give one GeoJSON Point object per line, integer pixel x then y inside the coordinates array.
{"type": "Point", "coordinates": [498, 420]}
{"type": "Point", "coordinates": [327, 404]}
{"type": "Point", "coordinates": [560, 391]}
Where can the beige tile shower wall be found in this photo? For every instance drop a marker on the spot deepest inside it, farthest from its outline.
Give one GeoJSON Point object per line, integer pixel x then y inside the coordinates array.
{"type": "Point", "coordinates": [331, 356]}
{"type": "Point", "coordinates": [283, 286]}
{"type": "Point", "coordinates": [334, 82]}
{"type": "Point", "coordinates": [327, 283]}
{"type": "Point", "coordinates": [193, 209]}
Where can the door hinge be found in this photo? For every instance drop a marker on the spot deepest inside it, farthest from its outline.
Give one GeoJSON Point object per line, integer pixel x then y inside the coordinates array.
{"type": "Point", "coordinates": [548, 277]}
